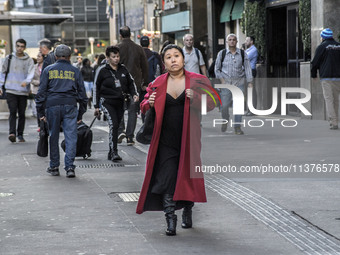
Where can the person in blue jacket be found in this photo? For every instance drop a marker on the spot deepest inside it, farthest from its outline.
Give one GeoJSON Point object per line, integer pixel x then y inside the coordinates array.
{"type": "Point", "coordinates": [61, 88]}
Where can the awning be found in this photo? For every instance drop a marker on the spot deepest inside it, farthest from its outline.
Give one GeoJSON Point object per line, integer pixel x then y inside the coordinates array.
{"type": "Point", "coordinates": [237, 10]}
{"type": "Point", "coordinates": [226, 10]}
{"type": "Point", "coordinates": [31, 18]}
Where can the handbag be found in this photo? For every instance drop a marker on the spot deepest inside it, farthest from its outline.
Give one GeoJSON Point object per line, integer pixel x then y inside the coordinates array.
{"type": "Point", "coordinates": [42, 148]}
{"type": "Point", "coordinates": [144, 134]}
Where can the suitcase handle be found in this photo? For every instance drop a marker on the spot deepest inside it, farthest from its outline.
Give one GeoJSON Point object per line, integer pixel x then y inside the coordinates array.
{"type": "Point", "coordinates": [93, 122]}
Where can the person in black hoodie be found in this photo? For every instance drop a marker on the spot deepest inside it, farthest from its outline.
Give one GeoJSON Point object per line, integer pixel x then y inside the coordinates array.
{"type": "Point", "coordinates": [327, 60]}
{"type": "Point", "coordinates": [113, 85]}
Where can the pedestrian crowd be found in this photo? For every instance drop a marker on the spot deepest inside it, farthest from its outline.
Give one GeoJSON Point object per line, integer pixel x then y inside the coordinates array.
{"type": "Point", "coordinates": [131, 77]}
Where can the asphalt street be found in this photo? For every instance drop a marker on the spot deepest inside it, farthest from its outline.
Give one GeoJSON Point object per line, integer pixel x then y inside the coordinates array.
{"type": "Point", "coordinates": [294, 212]}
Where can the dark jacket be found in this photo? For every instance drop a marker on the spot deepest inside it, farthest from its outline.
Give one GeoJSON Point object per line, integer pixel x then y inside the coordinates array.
{"type": "Point", "coordinates": [61, 84]}
{"type": "Point", "coordinates": [327, 60]}
{"type": "Point", "coordinates": [87, 73]}
{"type": "Point", "coordinates": [49, 59]}
{"type": "Point", "coordinates": [133, 57]}
{"type": "Point", "coordinates": [106, 84]}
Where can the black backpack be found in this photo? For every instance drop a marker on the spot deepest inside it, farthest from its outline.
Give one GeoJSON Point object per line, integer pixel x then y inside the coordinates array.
{"type": "Point", "coordinates": [154, 66]}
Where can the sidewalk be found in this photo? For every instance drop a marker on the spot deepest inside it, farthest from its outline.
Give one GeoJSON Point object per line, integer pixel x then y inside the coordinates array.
{"type": "Point", "coordinates": [41, 214]}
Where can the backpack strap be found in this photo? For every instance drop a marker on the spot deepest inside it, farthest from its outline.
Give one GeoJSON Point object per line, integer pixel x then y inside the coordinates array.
{"type": "Point", "coordinates": [198, 55]}
{"type": "Point", "coordinates": [8, 66]}
{"type": "Point", "coordinates": [224, 52]}
{"type": "Point", "coordinates": [242, 54]}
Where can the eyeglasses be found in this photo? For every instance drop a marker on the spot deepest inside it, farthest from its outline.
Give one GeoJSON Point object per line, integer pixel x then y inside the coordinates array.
{"type": "Point", "coordinates": [20, 46]}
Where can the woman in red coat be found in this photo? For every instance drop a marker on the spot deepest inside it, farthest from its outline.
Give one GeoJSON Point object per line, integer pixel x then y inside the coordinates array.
{"type": "Point", "coordinates": [170, 181]}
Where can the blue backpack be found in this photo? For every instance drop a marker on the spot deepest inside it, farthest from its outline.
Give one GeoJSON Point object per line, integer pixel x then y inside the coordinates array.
{"type": "Point", "coordinates": [154, 67]}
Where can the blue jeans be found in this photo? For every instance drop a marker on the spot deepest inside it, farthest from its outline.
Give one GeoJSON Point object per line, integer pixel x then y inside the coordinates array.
{"type": "Point", "coordinates": [67, 114]}
{"type": "Point", "coordinates": [226, 98]}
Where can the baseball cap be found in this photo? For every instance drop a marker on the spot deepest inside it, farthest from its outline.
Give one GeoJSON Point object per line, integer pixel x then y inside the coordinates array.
{"type": "Point", "coordinates": [144, 41]}
{"type": "Point", "coordinates": [62, 50]}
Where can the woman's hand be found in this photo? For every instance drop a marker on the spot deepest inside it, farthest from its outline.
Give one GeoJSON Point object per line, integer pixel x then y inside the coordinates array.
{"type": "Point", "coordinates": [189, 93]}
{"type": "Point", "coordinates": [135, 98]}
{"type": "Point", "coordinates": [152, 99]}
{"type": "Point", "coordinates": [96, 112]}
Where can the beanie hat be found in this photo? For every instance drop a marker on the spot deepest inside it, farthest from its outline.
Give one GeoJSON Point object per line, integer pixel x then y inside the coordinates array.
{"type": "Point", "coordinates": [326, 33]}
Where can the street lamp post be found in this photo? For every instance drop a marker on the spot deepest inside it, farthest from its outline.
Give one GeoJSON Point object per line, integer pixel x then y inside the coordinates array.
{"type": "Point", "coordinates": [91, 40]}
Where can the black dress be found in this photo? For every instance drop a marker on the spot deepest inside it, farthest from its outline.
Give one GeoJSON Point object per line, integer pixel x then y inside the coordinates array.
{"type": "Point", "coordinates": [169, 149]}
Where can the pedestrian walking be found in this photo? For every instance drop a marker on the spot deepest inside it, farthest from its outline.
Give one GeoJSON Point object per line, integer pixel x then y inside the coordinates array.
{"type": "Point", "coordinates": [79, 63]}
{"type": "Point", "coordinates": [175, 146]}
{"type": "Point", "coordinates": [133, 57]}
{"type": "Point", "coordinates": [114, 84]}
{"type": "Point", "coordinates": [252, 54]}
{"type": "Point", "coordinates": [194, 61]}
{"type": "Point", "coordinates": [154, 65]}
{"type": "Point", "coordinates": [61, 88]}
{"type": "Point", "coordinates": [16, 74]}
{"type": "Point", "coordinates": [327, 61]}
{"type": "Point", "coordinates": [36, 82]}
{"type": "Point", "coordinates": [232, 67]}
{"type": "Point", "coordinates": [88, 76]}
{"type": "Point", "coordinates": [45, 48]}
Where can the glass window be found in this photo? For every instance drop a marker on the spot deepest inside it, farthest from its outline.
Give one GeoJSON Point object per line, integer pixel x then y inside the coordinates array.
{"type": "Point", "coordinates": [91, 16]}
{"type": "Point", "coordinates": [91, 2]}
{"type": "Point", "coordinates": [78, 18]}
{"type": "Point", "coordinates": [19, 3]}
{"type": "Point", "coordinates": [104, 35]}
{"type": "Point", "coordinates": [79, 34]}
{"type": "Point", "coordinates": [79, 10]}
{"type": "Point", "coordinates": [92, 33]}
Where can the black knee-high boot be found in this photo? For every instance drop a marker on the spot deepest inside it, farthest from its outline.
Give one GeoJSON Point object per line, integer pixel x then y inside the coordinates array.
{"type": "Point", "coordinates": [171, 218]}
{"type": "Point", "coordinates": [187, 215]}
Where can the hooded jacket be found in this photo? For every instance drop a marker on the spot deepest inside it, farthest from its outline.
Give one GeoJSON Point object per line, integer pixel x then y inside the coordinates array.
{"type": "Point", "coordinates": [21, 70]}
{"type": "Point", "coordinates": [327, 60]}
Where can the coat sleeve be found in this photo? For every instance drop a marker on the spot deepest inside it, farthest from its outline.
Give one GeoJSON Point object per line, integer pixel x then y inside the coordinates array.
{"type": "Point", "coordinates": [40, 98]}
{"type": "Point", "coordinates": [82, 98]}
{"type": "Point", "coordinates": [316, 61]}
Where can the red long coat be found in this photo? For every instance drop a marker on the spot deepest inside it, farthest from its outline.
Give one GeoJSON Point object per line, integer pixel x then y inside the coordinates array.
{"type": "Point", "coordinates": [189, 185]}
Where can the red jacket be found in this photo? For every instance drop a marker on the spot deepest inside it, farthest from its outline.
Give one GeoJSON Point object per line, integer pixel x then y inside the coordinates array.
{"type": "Point", "coordinates": [189, 185]}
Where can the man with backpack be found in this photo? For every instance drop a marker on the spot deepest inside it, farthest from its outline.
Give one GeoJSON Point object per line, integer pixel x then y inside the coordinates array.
{"type": "Point", "coordinates": [232, 67]}
{"type": "Point", "coordinates": [16, 74]}
{"type": "Point", "coordinates": [61, 89]}
{"type": "Point", "coordinates": [154, 59]}
{"type": "Point", "coordinates": [154, 64]}
{"type": "Point", "coordinates": [193, 58]}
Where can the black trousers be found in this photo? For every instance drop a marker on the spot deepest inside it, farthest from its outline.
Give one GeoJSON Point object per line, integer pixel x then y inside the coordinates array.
{"type": "Point", "coordinates": [113, 110]}
{"type": "Point", "coordinates": [16, 104]}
